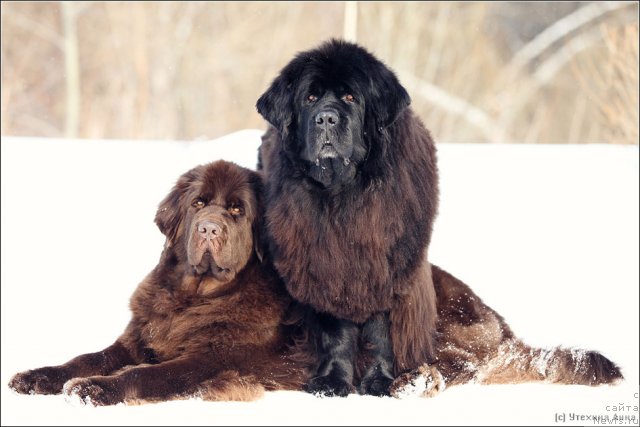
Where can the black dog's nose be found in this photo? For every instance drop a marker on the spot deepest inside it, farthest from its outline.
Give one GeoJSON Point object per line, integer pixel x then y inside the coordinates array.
{"type": "Point", "coordinates": [326, 119]}
{"type": "Point", "coordinates": [209, 230]}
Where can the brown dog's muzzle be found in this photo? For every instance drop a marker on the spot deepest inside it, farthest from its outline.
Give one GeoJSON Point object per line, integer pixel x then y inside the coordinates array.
{"type": "Point", "coordinates": [218, 244]}
{"type": "Point", "coordinates": [207, 239]}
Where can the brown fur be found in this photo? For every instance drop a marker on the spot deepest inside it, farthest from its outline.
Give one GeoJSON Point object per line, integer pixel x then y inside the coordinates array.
{"type": "Point", "coordinates": [476, 345]}
{"type": "Point", "coordinates": [206, 321]}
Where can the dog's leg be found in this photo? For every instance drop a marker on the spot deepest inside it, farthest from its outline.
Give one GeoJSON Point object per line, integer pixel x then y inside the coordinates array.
{"type": "Point", "coordinates": [377, 343]}
{"type": "Point", "coordinates": [50, 379]}
{"type": "Point", "coordinates": [336, 342]}
{"type": "Point", "coordinates": [231, 386]}
{"type": "Point", "coordinates": [413, 318]}
{"type": "Point", "coordinates": [177, 378]}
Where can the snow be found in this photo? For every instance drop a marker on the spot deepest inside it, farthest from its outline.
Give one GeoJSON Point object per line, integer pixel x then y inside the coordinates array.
{"type": "Point", "coordinates": [545, 234]}
{"type": "Point", "coordinates": [415, 388]}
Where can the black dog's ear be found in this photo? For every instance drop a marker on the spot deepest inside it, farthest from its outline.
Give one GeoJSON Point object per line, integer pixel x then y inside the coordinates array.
{"type": "Point", "coordinates": [276, 104]}
{"type": "Point", "coordinates": [388, 98]}
{"type": "Point", "coordinates": [171, 210]}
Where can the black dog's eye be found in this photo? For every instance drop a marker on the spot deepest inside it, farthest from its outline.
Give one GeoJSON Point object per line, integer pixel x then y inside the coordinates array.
{"type": "Point", "coordinates": [312, 98]}
{"type": "Point", "coordinates": [349, 98]}
{"type": "Point", "coordinates": [198, 203]}
{"type": "Point", "coordinates": [236, 210]}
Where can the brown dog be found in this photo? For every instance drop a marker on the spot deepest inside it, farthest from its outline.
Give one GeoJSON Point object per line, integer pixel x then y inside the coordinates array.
{"type": "Point", "coordinates": [206, 321]}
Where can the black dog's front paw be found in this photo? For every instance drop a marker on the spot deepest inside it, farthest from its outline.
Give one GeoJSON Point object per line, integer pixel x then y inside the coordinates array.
{"type": "Point", "coordinates": [377, 384]}
{"type": "Point", "coordinates": [39, 381]}
{"type": "Point", "coordinates": [94, 391]}
{"type": "Point", "coordinates": [329, 385]}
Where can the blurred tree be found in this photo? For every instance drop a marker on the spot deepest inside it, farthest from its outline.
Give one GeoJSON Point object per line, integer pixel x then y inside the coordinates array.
{"type": "Point", "coordinates": [185, 70]}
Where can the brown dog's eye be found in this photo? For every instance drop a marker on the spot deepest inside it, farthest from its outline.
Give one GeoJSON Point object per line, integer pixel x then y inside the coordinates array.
{"type": "Point", "coordinates": [236, 210]}
{"type": "Point", "coordinates": [349, 98]}
{"type": "Point", "coordinates": [198, 203]}
{"type": "Point", "coordinates": [312, 98]}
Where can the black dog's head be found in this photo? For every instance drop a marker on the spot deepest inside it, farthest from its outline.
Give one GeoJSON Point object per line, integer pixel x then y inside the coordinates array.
{"type": "Point", "coordinates": [328, 104]}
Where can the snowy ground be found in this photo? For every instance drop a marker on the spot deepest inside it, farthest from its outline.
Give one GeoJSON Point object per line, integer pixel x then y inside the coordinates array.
{"type": "Point", "coordinates": [546, 235]}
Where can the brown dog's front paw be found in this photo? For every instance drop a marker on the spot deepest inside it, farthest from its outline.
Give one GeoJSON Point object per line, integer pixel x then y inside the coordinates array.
{"type": "Point", "coordinates": [426, 381]}
{"type": "Point", "coordinates": [39, 381]}
{"type": "Point", "coordinates": [94, 391]}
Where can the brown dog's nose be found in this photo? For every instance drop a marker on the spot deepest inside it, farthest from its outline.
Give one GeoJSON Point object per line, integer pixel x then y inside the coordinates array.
{"type": "Point", "coordinates": [209, 230]}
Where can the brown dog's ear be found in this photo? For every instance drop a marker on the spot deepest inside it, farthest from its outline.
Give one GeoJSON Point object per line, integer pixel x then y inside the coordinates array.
{"type": "Point", "coordinates": [258, 248]}
{"type": "Point", "coordinates": [257, 185]}
{"type": "Point", "coordinates": [171, 210]}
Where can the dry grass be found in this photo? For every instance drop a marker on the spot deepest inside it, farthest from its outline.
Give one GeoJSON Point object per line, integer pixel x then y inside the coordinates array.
{"type": "Point", "coordinates": [185, 70]}
{"type": "Point", "coordinates": [613, 88]}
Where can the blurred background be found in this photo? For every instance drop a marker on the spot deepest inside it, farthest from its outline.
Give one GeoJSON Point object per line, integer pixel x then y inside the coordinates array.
{"type": "Point", "coordinates": [510, 72]}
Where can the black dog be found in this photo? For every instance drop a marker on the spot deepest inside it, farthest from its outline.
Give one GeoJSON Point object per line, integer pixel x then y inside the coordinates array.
{"type": "Point", "coordinates": [351, 195]}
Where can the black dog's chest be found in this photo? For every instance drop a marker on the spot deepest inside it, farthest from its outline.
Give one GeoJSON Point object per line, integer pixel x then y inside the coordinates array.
{"type": "Point", "coordinates": [333, 258]}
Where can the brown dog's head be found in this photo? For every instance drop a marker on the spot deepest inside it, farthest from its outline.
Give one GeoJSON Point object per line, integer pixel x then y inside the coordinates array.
{"type": "Point", "coordinates": [211, 219]}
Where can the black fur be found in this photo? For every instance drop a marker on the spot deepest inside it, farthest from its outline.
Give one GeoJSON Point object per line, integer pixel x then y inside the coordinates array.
{"type": "Point", "coordinates": [345, 69]}
{"type": "Point", "coordinates": [336, 344]}
{"type": "Point", "coordinates": [376, 346]}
